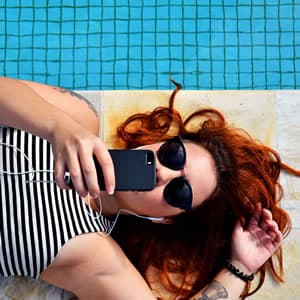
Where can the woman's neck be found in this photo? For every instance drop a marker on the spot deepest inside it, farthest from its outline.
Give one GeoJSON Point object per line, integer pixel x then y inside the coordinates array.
{"type": "Point", "coordinates": [108, 203]}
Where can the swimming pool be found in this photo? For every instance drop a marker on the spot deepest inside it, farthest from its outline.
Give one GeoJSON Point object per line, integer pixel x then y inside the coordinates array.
{"type": "Point", "coordinates": [110, 45]}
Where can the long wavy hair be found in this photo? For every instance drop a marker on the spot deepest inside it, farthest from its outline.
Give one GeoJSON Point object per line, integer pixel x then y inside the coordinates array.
{"type": "Point", "coordinates": [196, 245]}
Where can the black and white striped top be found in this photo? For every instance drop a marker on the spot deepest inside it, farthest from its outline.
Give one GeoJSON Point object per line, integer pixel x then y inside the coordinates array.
{"type": "Point", "coordinates": [36, 217]}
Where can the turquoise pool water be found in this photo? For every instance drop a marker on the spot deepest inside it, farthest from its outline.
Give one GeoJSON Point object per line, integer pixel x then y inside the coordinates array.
{"type": "Point", "coordinates": [205, 44]}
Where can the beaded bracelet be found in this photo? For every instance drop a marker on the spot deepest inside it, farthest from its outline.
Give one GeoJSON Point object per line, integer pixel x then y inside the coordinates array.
{"type": "Point", "coordinates": [234, 270]}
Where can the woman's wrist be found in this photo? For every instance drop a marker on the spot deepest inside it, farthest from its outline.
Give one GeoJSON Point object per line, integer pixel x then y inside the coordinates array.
{"type": "Point", "coordinates": [56, 124]}
{"type": "Point", "coordinates": [241, 266]}
{"type": "Point", "coordinates": [239, 270]}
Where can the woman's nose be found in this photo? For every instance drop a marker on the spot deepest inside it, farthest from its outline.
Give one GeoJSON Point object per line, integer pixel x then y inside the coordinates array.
{"type": "Point", "coordinates": [164, 174]}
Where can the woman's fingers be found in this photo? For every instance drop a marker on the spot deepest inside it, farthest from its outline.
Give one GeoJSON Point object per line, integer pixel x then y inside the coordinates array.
{"type": "Point", "coordinates": [69, 172]}
{"type": "Point", "coordinates": [273, 235]}
{"type": "Point", "coordinates": [89, 174]}
{"type": "Point", "coordinates": [268, 224]}
{"type": "Point", "coordinates": [83, 171]}
{"type": "Point", "coordinates": [277, 239]}
{"type": "Point", "coordinates": [74, 152]}
{"type": "Point", "coordinates": [59, 174]}
{"type": "Point", "coordinates": [265, 228]}
{"type": "Point", "coordinates": [255, 218]}
{"type": "Point", "coordinates": [77, 175]}
{"type": "Point", "coordinates": [266, 214]}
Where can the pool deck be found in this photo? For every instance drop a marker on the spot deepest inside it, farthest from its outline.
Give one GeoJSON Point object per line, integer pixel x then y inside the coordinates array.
{"type": "Point", "coordinates": [270, 116]}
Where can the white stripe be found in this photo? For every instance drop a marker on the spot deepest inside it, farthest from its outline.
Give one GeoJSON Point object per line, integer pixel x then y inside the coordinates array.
{"type": "Point", "coordinates": [40, 213]}
{"type": "Point", "coordinates": [46, 203]}
{"type": "Point", "coordinates": [25, 200]}
{"type": "Point", "coordinates": [52, 198]}
{"type": "Point", "coordinates": [34, 204]}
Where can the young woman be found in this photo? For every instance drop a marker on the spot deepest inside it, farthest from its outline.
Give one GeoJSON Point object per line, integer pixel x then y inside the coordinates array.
{"type": "Point", "coordinates": [216, 200]}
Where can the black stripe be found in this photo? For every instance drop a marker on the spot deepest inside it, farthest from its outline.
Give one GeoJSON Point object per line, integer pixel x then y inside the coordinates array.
{"type": "Point", "coordinates": [25, 185]}
{"type": "Point", "coordinates": [20, 201]}
{"type": "Point", "coordinates": [12, 213]}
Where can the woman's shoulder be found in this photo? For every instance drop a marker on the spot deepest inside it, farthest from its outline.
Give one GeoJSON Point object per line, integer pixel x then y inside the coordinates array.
{"type": "Point", "coordinates": [107, 273]}
{"type": "Point", "coordinates": [92, 249]}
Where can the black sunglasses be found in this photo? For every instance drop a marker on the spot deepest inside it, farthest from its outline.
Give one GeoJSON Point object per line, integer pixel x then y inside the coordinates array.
{"type": "Point", "coordinates": [178, 192]}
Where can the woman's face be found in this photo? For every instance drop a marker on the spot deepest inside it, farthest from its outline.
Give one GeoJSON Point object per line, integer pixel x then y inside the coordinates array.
{"type": "Point", "coordinates": [199, 170]}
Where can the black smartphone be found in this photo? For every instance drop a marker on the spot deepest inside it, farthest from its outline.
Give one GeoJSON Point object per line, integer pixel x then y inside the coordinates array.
{"type": "Point", "coordinates": [134, 170]}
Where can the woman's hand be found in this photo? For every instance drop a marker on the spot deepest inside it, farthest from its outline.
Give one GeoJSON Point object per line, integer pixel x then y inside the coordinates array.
{"type": "Point", "coordinates": [254, 245]}
{"type": "Point", "coordinates": [66, 124]}
{"type": "Point", "coordinates": [74, 148]}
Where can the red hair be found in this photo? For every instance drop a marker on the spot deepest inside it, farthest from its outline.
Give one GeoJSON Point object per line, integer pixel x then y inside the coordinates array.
{"type": "Point", "coordinates": [198, 243]}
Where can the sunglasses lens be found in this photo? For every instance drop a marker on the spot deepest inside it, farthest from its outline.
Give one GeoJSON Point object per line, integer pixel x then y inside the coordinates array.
{"type": "Point", "coordinates": [172, 154]}
{"type": "Point", "coordinates": [178, 193]}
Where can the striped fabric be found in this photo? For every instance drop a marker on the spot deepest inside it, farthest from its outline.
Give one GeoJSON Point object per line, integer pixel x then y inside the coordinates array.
{"type": "Point", "coordinates": [36, 217]}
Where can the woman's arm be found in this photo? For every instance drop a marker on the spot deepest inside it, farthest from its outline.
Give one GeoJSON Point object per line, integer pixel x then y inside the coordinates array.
{"type": "Point", "coordinates": [94, 267]}
{"type": "Point", "coordinates": [224, 286]}
{"type": "Point", "coordinates": [57, 119]}
{"type": "Point", "coordinates": [251, 248]}
{"type": "Point", "coordinates": [73, 104]}
{"type": "Point", "coordinates": [22, 108]}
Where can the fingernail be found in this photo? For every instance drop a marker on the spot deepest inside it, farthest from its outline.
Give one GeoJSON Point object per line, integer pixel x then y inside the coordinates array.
{"type": "Point", "coordinates": [110, 190]}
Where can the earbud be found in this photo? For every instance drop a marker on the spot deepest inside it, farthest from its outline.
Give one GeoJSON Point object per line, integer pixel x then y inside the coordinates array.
{"type": "Point", "coordinates": [155, 219]}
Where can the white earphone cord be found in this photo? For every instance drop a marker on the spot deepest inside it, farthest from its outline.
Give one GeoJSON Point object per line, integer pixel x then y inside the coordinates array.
{"type": "Point", "coordinates": [32, 172]}
{"type": "Point", "coordinates": [117, 216]}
